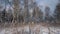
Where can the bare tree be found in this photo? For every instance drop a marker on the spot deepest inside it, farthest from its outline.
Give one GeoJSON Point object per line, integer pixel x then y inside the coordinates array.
{"type": "Point", "coordinates": [36, 12]}
{"type": "Point", "coordinates": [26, 14]}
{"type": "Point", "coordinates": [16, 10]}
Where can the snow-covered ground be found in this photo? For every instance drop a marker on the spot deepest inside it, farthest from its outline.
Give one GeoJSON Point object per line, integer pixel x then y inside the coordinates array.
{"type": "Point", "coordinates": [33, 29]}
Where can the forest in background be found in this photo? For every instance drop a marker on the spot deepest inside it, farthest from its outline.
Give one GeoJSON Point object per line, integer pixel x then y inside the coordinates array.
{"type": "Point", "coordinates": [27, 11]}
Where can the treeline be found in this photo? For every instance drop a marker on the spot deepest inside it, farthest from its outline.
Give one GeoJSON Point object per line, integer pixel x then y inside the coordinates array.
{"type": "Point", "coordinates": [35, 16]}
{"type": "Point", "coordinates": [30, 13]}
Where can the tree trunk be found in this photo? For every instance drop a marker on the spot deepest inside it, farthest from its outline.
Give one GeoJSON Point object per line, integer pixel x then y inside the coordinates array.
{"type": "Point", "coordinates": [26, 15]}
{"type": "Point", "coordinates": [16, 10]}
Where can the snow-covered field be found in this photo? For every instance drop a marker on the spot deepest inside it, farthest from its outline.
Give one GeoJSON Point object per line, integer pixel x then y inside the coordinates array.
{"type": "Point", "coordinates": [33, 29]}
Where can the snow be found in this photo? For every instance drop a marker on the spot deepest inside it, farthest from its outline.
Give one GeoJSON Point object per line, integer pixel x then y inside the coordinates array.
{"type": "Point", "coordinates": [37, 29]}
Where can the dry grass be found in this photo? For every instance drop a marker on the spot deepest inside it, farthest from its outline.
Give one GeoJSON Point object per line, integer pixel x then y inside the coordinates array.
{"type": "Point", "coordinates": [8, 25]}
